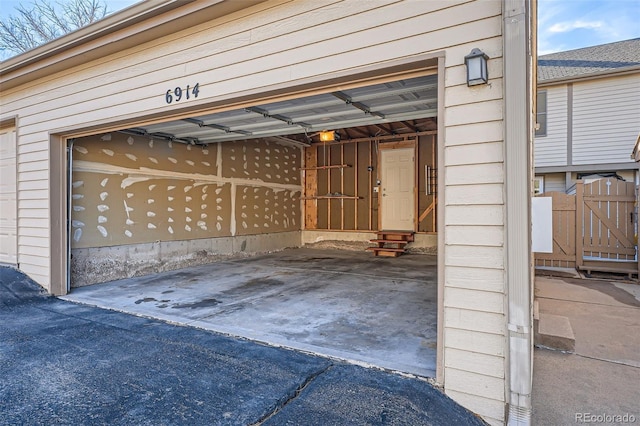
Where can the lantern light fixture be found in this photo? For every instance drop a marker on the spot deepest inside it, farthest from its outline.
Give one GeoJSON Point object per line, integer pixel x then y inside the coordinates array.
{"type": "Point", "coordinates": [476, 63]}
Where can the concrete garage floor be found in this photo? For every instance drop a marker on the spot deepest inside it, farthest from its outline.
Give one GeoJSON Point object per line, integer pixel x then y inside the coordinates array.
{"type": "Point", "coordinates": [343, 304]}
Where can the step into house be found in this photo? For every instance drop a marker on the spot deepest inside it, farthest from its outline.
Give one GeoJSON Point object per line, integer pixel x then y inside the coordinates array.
{"type": "Point", "coordinates": [391, 243]}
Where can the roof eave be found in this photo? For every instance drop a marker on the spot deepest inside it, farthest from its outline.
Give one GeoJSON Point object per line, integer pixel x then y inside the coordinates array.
{"type": "Point", "coordinates": [589, 76]}
{"type": "Point", "coordinates": [111, 23]}
{"type": "Point", "coordinates": [135, 25]}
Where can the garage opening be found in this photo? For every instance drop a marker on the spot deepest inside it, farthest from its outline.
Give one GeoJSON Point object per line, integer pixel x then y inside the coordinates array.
{"type": "Point", "coordinates": [188, 220]}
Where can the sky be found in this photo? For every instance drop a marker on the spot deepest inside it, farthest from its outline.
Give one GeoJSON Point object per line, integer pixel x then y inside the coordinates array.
{"type": "Point", "coordinates": [562, 24]}
{"type": "Point", "coordinates": [7, 7]}
{"type": "Point", "coordinates": [572, 24]}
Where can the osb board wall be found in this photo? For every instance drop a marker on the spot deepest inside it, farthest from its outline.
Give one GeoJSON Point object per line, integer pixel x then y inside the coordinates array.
{"type": "Point", "coordinates": [427, 149]}
{"type": "Point", "coordinates": [133, 189]}
{"type": "Point", "coordinates": [357, 180]}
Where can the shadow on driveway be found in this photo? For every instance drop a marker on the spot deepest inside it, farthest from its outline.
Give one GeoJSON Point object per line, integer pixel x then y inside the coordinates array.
{"type": "Point", "coordinates": [63, 363]}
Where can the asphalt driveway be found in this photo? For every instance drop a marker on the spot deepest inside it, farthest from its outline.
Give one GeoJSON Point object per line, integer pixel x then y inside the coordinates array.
{"type": "Point", "coordinates": [65, 363]}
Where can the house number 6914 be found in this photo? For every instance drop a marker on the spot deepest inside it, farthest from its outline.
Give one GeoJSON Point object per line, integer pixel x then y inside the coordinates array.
{"type": "Point", "coordinates": [179, 93]}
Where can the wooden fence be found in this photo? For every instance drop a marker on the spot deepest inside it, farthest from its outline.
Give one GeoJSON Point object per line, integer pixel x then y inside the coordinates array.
{"type": "Point", "coordinates": [564, 232]}
{"type": "Point", "coordinates": [594, 230]}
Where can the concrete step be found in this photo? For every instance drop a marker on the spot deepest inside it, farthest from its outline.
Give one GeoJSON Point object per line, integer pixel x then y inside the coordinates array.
{"type": "Point", "coordinates": [554, 331]}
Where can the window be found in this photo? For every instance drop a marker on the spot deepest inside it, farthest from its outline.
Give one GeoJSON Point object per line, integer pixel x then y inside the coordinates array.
{"type": "Point", "coordinates": [538, 185]}
{"type": "Point", "coordinates": [541, 114]}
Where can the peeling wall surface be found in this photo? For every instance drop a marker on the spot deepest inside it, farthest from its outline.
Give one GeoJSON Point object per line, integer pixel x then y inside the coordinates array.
{"type": "Point", "coordinates": [130, 190]}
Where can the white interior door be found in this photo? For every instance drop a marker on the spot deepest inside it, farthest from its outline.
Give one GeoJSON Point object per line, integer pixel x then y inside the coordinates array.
{"type": "Point", "coordinates": [397, 199]}
{"type": "Point", "coordinates": [8, 197]}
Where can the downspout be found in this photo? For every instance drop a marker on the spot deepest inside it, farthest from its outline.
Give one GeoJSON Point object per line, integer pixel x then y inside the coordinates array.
{"type": "Point", "coordinates": [69, 208]}
{"type": "Point", "coordinates": [518, 39]}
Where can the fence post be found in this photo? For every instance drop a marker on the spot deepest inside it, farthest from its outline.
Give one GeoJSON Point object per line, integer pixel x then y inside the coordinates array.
{"type": "Point", "coordinates": [579, 224]}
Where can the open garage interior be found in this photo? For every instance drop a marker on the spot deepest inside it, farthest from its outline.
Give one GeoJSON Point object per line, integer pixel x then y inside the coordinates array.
{"type": "Point", "coordinates": [342, 304]}
{"type": "Point", "coordinates": [187, 220]}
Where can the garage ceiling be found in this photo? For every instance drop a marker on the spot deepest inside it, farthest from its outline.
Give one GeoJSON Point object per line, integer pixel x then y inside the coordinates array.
{"type": "Point", "coordinates": [361, 112]}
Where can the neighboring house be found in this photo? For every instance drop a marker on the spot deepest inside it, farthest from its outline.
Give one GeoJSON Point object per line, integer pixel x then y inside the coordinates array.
{"type": "Point", "coordinates": [175, 129]}
{"type": "Point", "coordinates": [588, 115]}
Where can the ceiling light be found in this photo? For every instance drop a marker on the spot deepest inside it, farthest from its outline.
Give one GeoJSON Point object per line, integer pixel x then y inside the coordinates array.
{"type": "Point", "coordinates": [329, 136]}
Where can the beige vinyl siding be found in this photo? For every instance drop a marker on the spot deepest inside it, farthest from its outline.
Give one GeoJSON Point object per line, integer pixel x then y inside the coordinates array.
{"type": "Point", "coordinates": [628, 175]}
{"type": "Point", "coordinates": [555, 182]}
{"type": "Point", "coordinates": [474, 318]}
{"type": "Point", "coordinates": [551, 150]}
{"type": "Point", "coordinates": [606, 119]}
{"type": "Point", "coordinates": [33, 214]}
{"type": "Point", "coordinates": [277, 44]}
{"type": "Point", "coordinates": [489, 409]}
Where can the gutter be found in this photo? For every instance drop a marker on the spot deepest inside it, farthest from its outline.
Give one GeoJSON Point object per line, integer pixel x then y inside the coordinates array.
{"type": "Point", "coordinates": [519, 31]}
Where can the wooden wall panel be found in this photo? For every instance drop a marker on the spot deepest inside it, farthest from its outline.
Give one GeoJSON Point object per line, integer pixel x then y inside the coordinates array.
{"type": "Point", "coordinates": [365, 189]}
{"type": "Point", "coordinates": [335, 180]}
{"type": "Point", "coordinates": [349, 185]}
{"type": "Point", "coordinates": [357, 180]}
{"type": "Point", "coordinates": [310, 188]}
{"type": "Point", "coordinates": [322, 186]}
{"type": "Point", "coordinates": [427, 197]}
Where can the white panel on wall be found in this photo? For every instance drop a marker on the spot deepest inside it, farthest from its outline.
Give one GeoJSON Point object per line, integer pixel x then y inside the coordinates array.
{"type": "Point", "coordinates": [554, 182]}
{"type": "Point", "coordinates": [541, 225]}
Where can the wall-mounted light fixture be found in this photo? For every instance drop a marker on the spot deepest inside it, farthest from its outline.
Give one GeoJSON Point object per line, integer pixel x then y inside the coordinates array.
{"type": "Point", "coordinates": [476, 63]}
{"type": "Point", "coordinates": [329, 136]}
